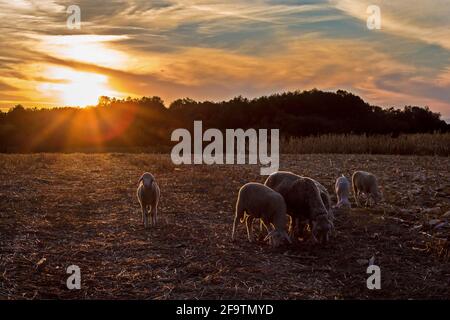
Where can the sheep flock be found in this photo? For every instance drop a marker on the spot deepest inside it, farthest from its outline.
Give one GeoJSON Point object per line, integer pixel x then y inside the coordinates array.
{"type": "Point", "coordinates": [289, 207]}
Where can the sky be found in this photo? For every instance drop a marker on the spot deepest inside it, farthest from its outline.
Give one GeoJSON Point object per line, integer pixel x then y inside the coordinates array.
{"type": "Point", "coordinates": [211, 50]}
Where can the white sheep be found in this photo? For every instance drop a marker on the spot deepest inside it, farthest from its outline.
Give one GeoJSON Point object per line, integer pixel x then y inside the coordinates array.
{"type": "Point", "coordinates": [148, 196]}
{"type": "Point", "coordinates": [365, 182]}
{"type": "Point", "coordinates": [255, 200]}
{"type": "Point", "coordinates": [342, 188]}
{"type": "Point", "coordinates": [304, 203]}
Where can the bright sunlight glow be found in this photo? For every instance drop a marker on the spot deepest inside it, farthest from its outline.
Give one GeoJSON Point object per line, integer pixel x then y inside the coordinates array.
{"type": "Point", "coordinates": [85, 48]}
{"type": "Point", "coordinates": [76, 88]}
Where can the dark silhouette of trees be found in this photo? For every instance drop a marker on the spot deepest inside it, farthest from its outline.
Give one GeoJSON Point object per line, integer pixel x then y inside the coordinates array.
{"type": "Point", "coordinates": [146, 122]}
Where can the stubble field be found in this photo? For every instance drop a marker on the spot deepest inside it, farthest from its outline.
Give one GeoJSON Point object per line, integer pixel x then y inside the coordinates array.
{"type": "Point", "coordinates": [58, 210]}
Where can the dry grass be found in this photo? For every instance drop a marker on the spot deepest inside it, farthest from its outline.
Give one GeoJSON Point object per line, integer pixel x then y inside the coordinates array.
{"type": "Point", "coordinates": [81, 209]}
{"type": "Point", "coordinates": [410, 144]}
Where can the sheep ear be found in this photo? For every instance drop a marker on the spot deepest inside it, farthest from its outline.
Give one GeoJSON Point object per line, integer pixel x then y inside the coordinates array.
{"type": "Point", "coordinates": [140, 179]}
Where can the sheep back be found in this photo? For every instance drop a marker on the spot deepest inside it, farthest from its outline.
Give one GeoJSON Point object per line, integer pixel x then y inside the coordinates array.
{"type": "Point", "coordinates": [260, 201]}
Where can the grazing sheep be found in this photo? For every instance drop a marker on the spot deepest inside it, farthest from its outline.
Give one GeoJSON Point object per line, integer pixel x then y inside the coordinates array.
{"type": "Point", "coordinates": [326, 199]}
{"type": "Point", "coordinates": [365, 182]}
{"type": "Point", "coordinates": [303, 201]}
{"type": "Point", "coordinates": [258, 201]}
{"type": "Point", "coordinates": [342, 188]}
{"type": "Point", "coordinates": [148, 196]}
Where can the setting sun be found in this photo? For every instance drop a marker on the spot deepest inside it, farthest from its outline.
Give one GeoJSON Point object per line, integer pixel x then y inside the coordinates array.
{"type": "Point", "coordinates": [77, 88]}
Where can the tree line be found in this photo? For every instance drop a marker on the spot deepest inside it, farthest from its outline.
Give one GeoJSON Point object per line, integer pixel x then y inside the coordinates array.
{"type": "Point", "coordinates": [121, 124]}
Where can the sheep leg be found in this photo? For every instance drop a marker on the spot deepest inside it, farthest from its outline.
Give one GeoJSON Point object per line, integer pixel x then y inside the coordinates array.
{"type": "Point", "coordinates": [302, 229]}
{"type": "Point", "coordinates": [149, 208]}
{"type": "Point", "coordinates": [368, 202]}
{"type": "Point", "coordinates": [260, 227]}
{"type": "Point", "coordinates": [249, 225]}
{"type": "Point", "coordinates": [292, 231]}
{"type": "Point", "coordinates": [254, 220]}
{"type": "Point", "coordinates": [371, 200]}
{"type": "Point", "coordinates": [144, 216]}
{"type": "Point", "coordinates": [356, 195]}
{"type": "Point", "coordinates": [155, 214]}
{"type": "Point", "coordinates": [291, 224]}
{"type": "Point", "coordinates": [149, 215]}
{"type": "Point", "coordinates": [269, 228]}
{"type": "Point", "coordinates": [153, 211]}
{"type": "Point", "coordinates": [238, 216]}
{"type": "Point", "coordinates": [236, 219]}
{"type": "Point", "coordinates": [155, 206]}
{"type": "Point", "coordinates": [265, 226]}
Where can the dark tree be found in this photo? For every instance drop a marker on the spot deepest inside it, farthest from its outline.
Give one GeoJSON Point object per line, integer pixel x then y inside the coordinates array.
{"type": "Point", "coordinates": [146, 122]}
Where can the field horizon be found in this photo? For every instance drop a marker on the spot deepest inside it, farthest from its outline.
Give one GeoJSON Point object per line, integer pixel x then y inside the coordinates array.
{"type": "Point", "coordinates": [435, 144]}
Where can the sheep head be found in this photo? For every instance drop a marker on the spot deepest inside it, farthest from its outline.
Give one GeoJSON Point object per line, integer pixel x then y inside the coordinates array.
{"type": "Point", "coordinates": [275, 237]}
{"type": "Point", "coordinates": [147, 180]}
{"type": "Point", "coordinates": [321, 228]}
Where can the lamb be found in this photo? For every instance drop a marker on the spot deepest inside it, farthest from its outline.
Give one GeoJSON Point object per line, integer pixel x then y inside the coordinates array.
{"type": "Point", "coordinates": [303, 201]}
{"type": "Point", "coordinates": [365, 182]}
{"type": "Point", "coordinates": [258, 201]}
{"type": "Point", "coordinates": [148, 194]}
{"type": "Point", "coordinates": [342, 188]}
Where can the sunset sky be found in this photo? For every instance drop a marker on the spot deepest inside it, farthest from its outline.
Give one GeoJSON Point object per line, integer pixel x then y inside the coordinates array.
{"type": "Point", "coordinates": [209, 50]}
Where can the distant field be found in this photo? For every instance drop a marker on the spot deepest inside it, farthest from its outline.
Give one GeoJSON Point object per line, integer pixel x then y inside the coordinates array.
{"type": "Point", "coordinates": [62, 209]}
{"type": "Point", "coordinates": [407, 144]}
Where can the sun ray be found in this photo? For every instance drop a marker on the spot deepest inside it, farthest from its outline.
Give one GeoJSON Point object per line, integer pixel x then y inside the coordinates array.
{"type": "Point", "coordinates": [56, 123]}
